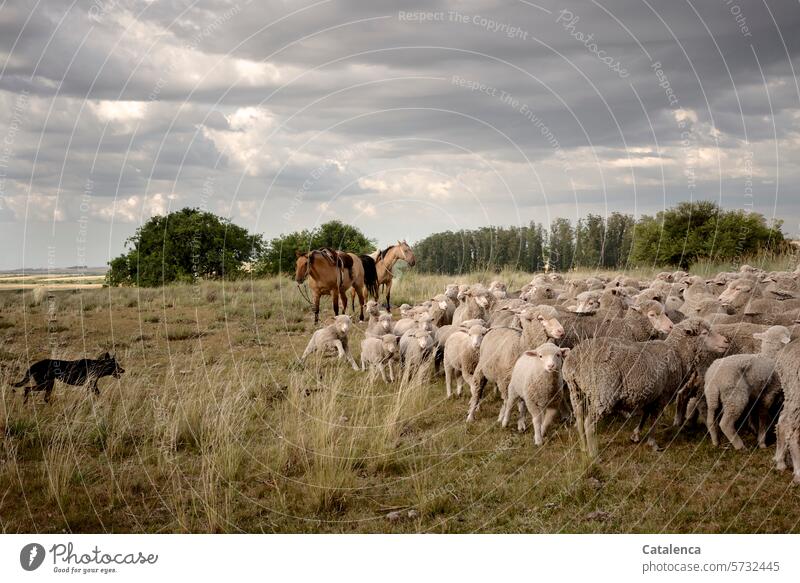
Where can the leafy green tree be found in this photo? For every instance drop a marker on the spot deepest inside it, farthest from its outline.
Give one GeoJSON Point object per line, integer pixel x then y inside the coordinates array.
{"type": "Point", "coordinates": [561, 244]}
{"type": "Point", "coordinates": [183, 246]}
{"type": "Point", "coordinates": [279, 254]}
{"type": "Point", "coordinates": [702, 230]}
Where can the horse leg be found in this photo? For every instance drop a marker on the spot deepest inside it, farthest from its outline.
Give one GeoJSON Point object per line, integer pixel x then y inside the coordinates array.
{"type": "Point", "coordinates": [316, 308]}
{"type": "Point", "coordinates": [389, 295]}
{"type": "Point", "coordinates": [335, 296]}
{"type": "Point", "coordinates": [360, 291]}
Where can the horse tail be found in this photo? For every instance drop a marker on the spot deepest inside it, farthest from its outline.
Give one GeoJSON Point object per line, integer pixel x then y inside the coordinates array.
{"type": "Point", "coordinates": [370, 275]}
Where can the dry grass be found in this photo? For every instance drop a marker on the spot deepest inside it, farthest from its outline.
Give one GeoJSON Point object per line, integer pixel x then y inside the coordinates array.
{"type": "Point", "coordinates": [215, 427]}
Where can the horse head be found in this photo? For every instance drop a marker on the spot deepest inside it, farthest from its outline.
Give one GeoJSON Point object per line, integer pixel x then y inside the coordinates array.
{"type": "Point", "coordinates": [407, 252]}
{"type": "Point", "coordinates": [302, 266]}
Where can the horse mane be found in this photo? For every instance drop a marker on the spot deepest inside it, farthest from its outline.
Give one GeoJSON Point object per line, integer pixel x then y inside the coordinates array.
{"type": "Point", "coordinates": [385, 251]}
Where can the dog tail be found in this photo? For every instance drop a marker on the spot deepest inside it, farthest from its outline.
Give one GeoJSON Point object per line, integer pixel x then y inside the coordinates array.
{"type": "Point", "coordinates": [24, 381]}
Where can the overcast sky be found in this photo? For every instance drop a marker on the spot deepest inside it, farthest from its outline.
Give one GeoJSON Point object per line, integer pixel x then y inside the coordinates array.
{"type": "Point", "coordinates": [282, 115]}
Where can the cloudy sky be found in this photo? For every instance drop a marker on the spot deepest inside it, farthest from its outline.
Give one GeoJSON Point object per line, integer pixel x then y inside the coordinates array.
{"type": "Point", "coordinates": [442, 115]}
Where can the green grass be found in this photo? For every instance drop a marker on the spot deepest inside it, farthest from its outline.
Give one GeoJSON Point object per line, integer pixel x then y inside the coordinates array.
{"type": "Point", "coordinates": [228, 433]}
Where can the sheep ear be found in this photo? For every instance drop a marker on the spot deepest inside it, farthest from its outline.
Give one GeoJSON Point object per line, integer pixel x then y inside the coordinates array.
{"type": "Point", "coordinates": [564, 352]}
{"type": "Point", "coordinates": [786, 340]}
{"type": "Point", "coordinates": [636, 307]}
{"type": "Point", "coordinates": [531, 353]}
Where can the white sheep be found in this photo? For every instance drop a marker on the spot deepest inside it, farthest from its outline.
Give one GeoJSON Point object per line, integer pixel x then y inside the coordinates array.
{"type": "Point", "coordinates": [379, 353]}
{"type": "Point", "coordinates": [333, 336]}
{"type": "Point", "coordinates": [383, 325]}
{"type": "Point", "coordinates": [788, 428]}
{"type": "Point", "coordinates": [461, 352]}
{"type": "Point", "coordinates": [735, 381]}
{"type": "Point", "coordinates": [537, 380]}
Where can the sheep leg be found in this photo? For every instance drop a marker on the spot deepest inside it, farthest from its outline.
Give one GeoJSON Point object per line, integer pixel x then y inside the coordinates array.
{"type": "Point", "coordinates": [728, 426]}
{"type": "Point", "coordinates": [522, 410]}
{"type": "Point", "coordinates": [448, 378]}
{"type": "Point", "coordinates": [343, 353]}
{"type": "Point", "coordinates": [681, 400]}
{"type": "Point", "coordinates": [309, 349]}
{"type": "Point", "coordinates": [550, 415]}
{"type": "Point", "coordinates": [538, 434]}
{"type": "Point", "coordinates": [476, 389]}
{"type": "Point", "coordinates": [763, 423]}
{"type": "Point", "coordinates": [577, 409]}
{"type": "Point", "coordinates": [363, 367]}
{"type": "Point", "coordinates": [636, 436]}
{"type": "Point", "coordinates": [505, 409]}
{"type": "Point", "coordinates": [780, 448]}
{"type": "Point", "coordinates": [459, 384]}
{"type": "Point", "coordinates": [383, 372]}
{"type": "Point", "coordinates": [590, 429]}
{"type": "Point", "coordinates": [712, 403]}
{"type": "Point", "coordinates": [391, 371]}
{"type": "Point", "coordinates": [794, 450]}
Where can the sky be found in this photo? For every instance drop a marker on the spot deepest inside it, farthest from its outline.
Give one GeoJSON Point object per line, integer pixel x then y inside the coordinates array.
{"type": "Point", "coordinates": [402, 118]}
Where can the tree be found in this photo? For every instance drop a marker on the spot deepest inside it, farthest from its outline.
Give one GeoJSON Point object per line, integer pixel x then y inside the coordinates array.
{"type": "Point", "coordinates": [183, 246]}
{"type": "Point", "coordinates": [702, 230]}
{"type": "Point", "coordinates": [279, 254]}
{"type": "Point", "coordinates": [561, 244]}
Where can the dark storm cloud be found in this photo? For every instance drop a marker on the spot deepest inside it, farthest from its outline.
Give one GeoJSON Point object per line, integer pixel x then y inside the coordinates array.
{"type": "Point", "coordinates": [284, 114]}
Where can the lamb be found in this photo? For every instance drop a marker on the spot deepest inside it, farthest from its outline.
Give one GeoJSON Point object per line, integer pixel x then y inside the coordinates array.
{"type": "Point", "coordinates": [383, 325]}
{"type": "Point", "coordinates": [440, 311]}
{"type": "Point", "coordinates": [735, 381]}
{"type": "Point", "coordinates": [379, 353]}
{"type": "Point", "coordinates": [422, 321]}
{"type": "Point", "coordinates": [333, 336]}
{"type": "Point", "coordinates": [605, 374]}
{"type": "Point", "coordinates": [415, 347]}
{"type": "Point", "coordinates": [537, 380]}
{"type": "Point", "coordinates": [461, 352]}
{"type": "Point", "coordinates": [477, 301]}
{"type": "Point", "coordinates": [788, 428]}
{"type": "Point", "coordinates": [502, 346]}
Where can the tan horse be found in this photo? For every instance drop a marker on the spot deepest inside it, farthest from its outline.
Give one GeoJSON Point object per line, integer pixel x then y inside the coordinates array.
{"type": "Point", "coordinates": [385, 261]}
{"type": "Point", "coordinates": [333, 273]}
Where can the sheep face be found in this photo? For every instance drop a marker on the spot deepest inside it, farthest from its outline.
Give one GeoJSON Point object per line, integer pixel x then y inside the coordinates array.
{"type": "Point", "coordinates": [389, 343]}
{"type": "Point", "coordinates": [656, 315]}
{"type": "Point", "coordinates": [547, 318]}
{"type": "Point", "coordinates": [588, 303]}
{"type": "Point", "coordinates": [736, 292]}
{"type": "Point", "coordinates": [712, 341]}
{"type": "Point", "coordinates": [385, 321]}
{"type": "Point", "coordinates": [451, 291]}
{"type": "Point", "coordinates": [342, 323]}
{"type": "Point", "coordinates": [476, 335]}
{"type": "Point", "coordinates": [774, 335]}
{"type": "Point", "coordinates": [550, 355]}
{"type": "Point", "coordinates": [404, 310]}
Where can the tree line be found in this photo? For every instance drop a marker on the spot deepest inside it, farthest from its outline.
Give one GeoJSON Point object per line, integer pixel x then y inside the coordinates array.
{"type": "Point", "coordinates": [676, 237]}
{"type": "Point", "coordinates": [192, 244]}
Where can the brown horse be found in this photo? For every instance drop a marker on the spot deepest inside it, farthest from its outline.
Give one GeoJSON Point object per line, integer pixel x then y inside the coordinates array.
{"type": "Point", "coordinates": [334, 272]}
{"type": "Point", "coordinates": [385, 261]}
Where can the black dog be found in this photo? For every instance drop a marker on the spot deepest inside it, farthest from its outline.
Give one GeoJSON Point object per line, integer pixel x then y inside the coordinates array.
{"type": "Point", "coordinates": [46, 372]}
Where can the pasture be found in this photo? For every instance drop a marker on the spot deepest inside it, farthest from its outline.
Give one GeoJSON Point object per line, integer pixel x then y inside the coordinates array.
{"type": "Point", "coordinates": [215, 427]}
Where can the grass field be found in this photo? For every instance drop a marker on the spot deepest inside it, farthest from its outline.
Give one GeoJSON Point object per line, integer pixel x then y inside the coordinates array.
{"type": "Point", "coordinates": [214, 427]}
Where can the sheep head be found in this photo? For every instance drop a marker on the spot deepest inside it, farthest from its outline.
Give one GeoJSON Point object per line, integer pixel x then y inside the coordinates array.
{"type": "Point", "coordinates": [546, 316]}
{"type": "Point", "coordinates": [550, 355]}
{"type": "Point", "coordinates": [342, 323]}
{"type": "Point", "coordinates": [656, 315]}
{"type": "Point", "coordinates": [700, 331]}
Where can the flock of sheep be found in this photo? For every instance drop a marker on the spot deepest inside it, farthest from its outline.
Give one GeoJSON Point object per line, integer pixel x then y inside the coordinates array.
{"type": "Point", "coordinates": [721, 349]}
